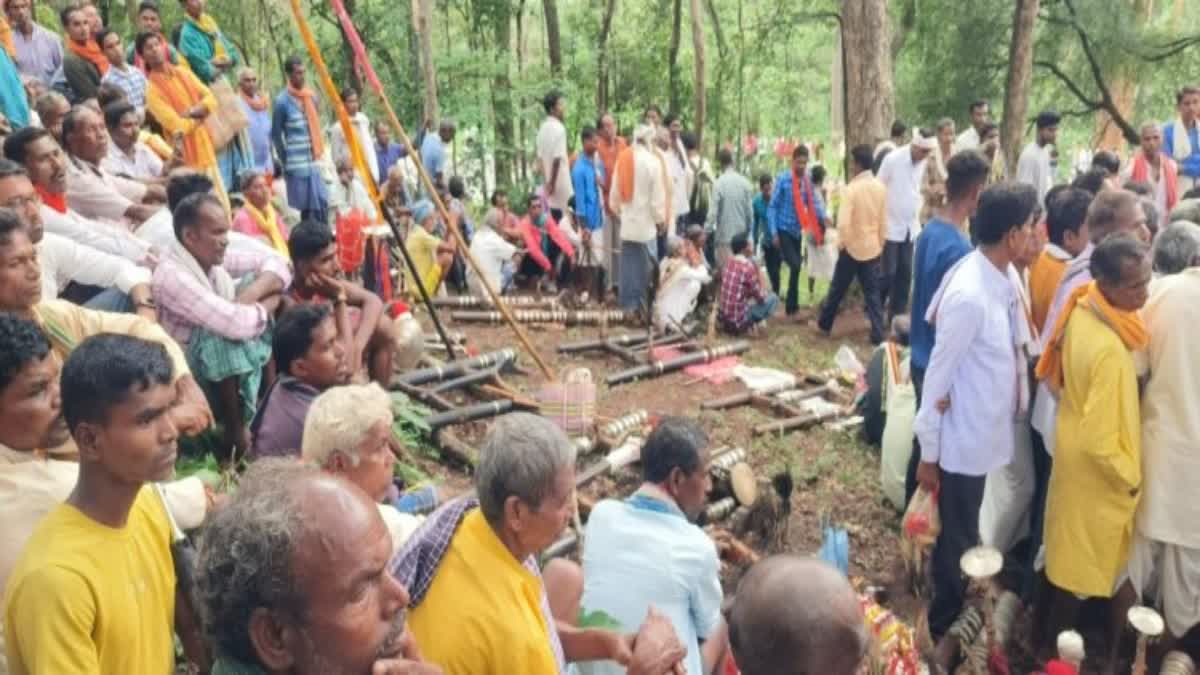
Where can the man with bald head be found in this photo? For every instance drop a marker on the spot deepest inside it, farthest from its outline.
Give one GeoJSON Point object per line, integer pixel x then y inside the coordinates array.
{"type": "Point", "coordinates": [794, 615]}
{"type": "Point", "coordinates": [292, 578]}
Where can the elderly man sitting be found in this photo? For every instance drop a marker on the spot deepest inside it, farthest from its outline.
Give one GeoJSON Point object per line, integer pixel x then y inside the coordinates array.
{"type": "Point", "coordinates": [480, 606]}
{"type": "Point", "coordinates": [93, 191]}
{"type": "Point", "coordinates": [292, 578]}
{"type": "Point", "coordinates": [796, 615]}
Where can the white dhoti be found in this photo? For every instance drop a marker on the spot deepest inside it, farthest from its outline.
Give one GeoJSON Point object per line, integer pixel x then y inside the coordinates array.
{"type": "Point", "coordinates": [1166, 576]}
{"type": "Point", "coordinates": [1008, 496]}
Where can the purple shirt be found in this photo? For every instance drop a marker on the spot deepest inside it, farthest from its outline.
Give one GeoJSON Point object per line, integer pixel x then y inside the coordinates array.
{"type": "Point", "coordinates": [40, 54]}
{"type": "Point", "coordinates": [278, 428]}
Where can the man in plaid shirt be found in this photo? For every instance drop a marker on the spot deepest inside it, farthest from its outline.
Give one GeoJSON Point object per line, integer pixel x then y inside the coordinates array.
{"type": "Point", "coordinates": [741, 285]}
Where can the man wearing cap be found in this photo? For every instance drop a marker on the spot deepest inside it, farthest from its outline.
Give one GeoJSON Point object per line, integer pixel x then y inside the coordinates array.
{"type": "Point", "coordinates": [901, 173]}
{"type": "Point", "coordinates": [1033, 168]}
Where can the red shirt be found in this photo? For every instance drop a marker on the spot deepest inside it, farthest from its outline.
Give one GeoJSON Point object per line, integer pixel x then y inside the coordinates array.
{"type": "Point", "coordinates": [740, 283]}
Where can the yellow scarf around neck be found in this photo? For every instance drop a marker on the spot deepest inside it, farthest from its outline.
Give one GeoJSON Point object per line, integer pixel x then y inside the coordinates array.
{"type": "Point", "coordinates": [209, 25]}
{"type": "Point", "coordinates": [269, 224]}
{"type": "Point", "coordinates": [1127, 325]}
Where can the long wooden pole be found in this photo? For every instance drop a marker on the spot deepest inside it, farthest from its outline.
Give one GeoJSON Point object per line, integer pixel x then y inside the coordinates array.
{"type": "Point", "coordinates": [451, 224]}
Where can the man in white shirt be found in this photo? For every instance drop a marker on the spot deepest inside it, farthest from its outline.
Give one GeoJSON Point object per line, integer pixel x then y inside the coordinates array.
{"type": "Point", "coordinates": [901, 173]}
{"type": "Point", "coordinates": [971, 391]}
{"type": "Point", "coordinates": [1033, 167]}
{"type": "Point", "coordinates": [347, 193]}
{"type": "Point", "coordinates": [127, 156]}
{"type": "Point", "coordinates": [362, 131]}
{"type": "Point", "coordinates": [1164, 563]}
{"type": "Point", "coordinates": [552, 154]}
{"type": "Point", "coordinates": [63, 261]}
{"type": "Point", "coordinates": [640, 201]}
{"type": "Point", "coordinates": [973, 136]}
{"type": "Point", "coordinates": [681, 173]}
{"type": "Point", "coordinates": [681, 277]}
{"type": "Point", "coordinates": [95, 192]}
{"type": "Point", "coordinates": [496, 256]}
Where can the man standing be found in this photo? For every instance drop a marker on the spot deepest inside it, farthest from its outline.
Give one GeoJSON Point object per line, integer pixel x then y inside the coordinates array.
{"type": "Point", "coordinates": [84, 63]}
{"type": "Point", "coordinates": [258, 111]}
{"type": "Point", "coordinates": [362, 131]}
{"type": "Point", "coordinates": [680, 171]}
{"type": "Point", "coordinates": [1181, 138]}
{"type": "Point", "coordinates": [433, 153]}
{"type": "Point", "coordinates": [1034, 167]}
{"type": "Point", "coordinates": [974, 364]}
{"type": "Point", "coordinates": [861, 233]}
{"type": "Point", "coordinates": [972, 138]}
{"type": "Point", "coordinates": [639, 198]}
{"type": "Point", "coordinates": [552, 155]}
{"type": "Point", "coordinates": [39, 51]}
{"type": "Point", "coordinates": [296, 135]}
{"type": "Point", "coordinates": [149, 21]}
{"type": "Point", "coordinates": [795, 209]}
{"type": "Point", "coordinates": [587, 181]}
{"type": "Point", "coordinates": [610, 146]}
{"type": "Point", "coordinates": [732, 210]}
{"type": "Point", "coordinates": [387, 152]}
{"type": "Point", "coordinates": [94, 589]}
{"type": "Point", "coordinates": [902, 173]}
{"type": "Point", "coordinates": [1156, 168]}
{"type": "Point", "coordinates": [761, 232]}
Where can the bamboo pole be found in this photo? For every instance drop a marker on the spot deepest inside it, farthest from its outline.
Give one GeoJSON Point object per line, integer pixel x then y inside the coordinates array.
{"type": "Point", "coordinates": [656, 368]}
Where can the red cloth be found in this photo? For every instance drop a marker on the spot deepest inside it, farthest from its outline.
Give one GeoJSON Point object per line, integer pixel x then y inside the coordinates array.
{"type": "Point", "coordinates": [1056, 667]}
{"type": "Point", "coordinates": [806, 212]}
{"type": "Point", "coordinates": [1141, 174]}
{"type": "Point", "coordinates": [533, 240]}
{"type": "Point", "coordinates": [56, 201]}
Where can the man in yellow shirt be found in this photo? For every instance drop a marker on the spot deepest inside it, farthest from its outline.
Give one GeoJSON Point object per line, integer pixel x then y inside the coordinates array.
{"type": "Point", "coordinates": [430, 255]}
{"type": "Point", "coordinates": [94, 590]}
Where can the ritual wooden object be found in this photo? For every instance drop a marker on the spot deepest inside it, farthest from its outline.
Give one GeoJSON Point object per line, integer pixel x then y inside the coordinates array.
{"type": "Point", "coordinates": [469, 413]}
{"type": "Point", "coordinates": [467, 379]}
{"type": "Point", "coordinates": [794, 423]}
{"type": "Point", "coordinates": [613, 433]}
{"type": "Point", "coordinates": [563, 316]}
{"type": "Point", "coordinates": [1177, 663]}
{"type": "Point", "coordinates": [422, 376]}
{"type": "Point", "coordinates": [629, 452]}
{"type": "Point", "coordinates": [1148, 624]}
{"type": "Point", "coordinates": [472, 301]}
{"type": "Point", "coordinates": [656, 368]}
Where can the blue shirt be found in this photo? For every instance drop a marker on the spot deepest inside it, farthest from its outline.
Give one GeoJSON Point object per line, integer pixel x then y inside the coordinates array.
{"type": "Point", "coordinates": [940, 245]}
{"type": "Point", "coordinates": [260, 137]}
{"type": "Point", "coordinates": [760, 219]}
{"type": "Point", "coordinates": [1191, 165]}
{"type": "Point", "coordinates": [387, 156]}
{"type": "Point", "coordinates": [584, 175]}
{"type": "Point", "coordinates": [642, 552]}
{"type": "Point", "coordinates": [433, 154]}
{"type": "Point", "coordinates": [781, 213]}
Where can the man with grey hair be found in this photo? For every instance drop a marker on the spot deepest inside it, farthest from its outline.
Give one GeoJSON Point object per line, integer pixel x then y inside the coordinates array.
{"type": "Point", "coordinates": [292, 578]}
{"type": "Point", "coordinates": [1176, 248]}
{"type": "Point", "coordinates": [796, 615]}
{"type": "Point", "coordinates": [473, 565]}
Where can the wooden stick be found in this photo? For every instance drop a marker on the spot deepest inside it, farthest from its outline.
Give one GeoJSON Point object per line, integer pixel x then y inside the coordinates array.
{"type": "Point", "coordinates": [429, 398]}
{"type": "Point", "coordinates": [655, 368]}
{"type": "Point", "coordinates": [802, 422]}
{"type": "Point", "coordinates": [469, 413]}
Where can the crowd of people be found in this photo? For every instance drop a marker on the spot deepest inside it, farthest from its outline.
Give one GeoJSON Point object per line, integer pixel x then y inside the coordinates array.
{"type": "Point", "coordinates": [173, 265]}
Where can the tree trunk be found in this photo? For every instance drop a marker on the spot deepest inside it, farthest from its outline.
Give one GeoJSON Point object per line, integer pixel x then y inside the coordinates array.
{"type": "Point", "coordinates": [673, 56]}
{"type": "Point", "coordinates": [740, 133]}
{"type": "Point", "coordinates": [610, 9]}
{"type": "Point", "coordinates": [698, 61]}
{"type": "Point", "coordinates": [502, 105]}
{"type": "Point", "coordinates": [550, 9]}
{"type": "Point", "coordinates": [131, 11]}
{"type": "Point", "coordinates": [523, 161]}
{"type": "Point", "coordinates": [871, 98]}
{"type": "Point", "coordinates": [1016, 86]}
{"type": "Point", "coordinates": [1109, 136]}
{"type": "Point", "coordinates": [837, 102]}
{"type": "Point", "coordinates": [423, 23]}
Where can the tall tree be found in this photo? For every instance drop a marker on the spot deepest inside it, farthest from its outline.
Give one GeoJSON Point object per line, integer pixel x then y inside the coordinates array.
{"type": "Point", "coordinates": [610, 9]}
{"type": "Point", "coordinates": [1016, 86]}
{"type": "Point", "coordinates": [423, 23]}
{"type": "Point", "coordinates": [553, 43]}
{"type": "Point", "coordinates": [871, 97]}
{"type": "Point", "coordinates": [698, 61]}
{"type": "Point", "coordinates": [502, 105]}
{"type": "Point", "coordinates": [673, 55]}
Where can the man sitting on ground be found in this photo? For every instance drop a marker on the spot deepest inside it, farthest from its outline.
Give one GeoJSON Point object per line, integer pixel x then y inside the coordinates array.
{"type": "Point", "coordinates": [63, 261]}
{"type": "Point", "coordinates": [93, 191]}
{"type": "Point", "coordinates": [476, 568]}
{"type": "Point", "coordinates": [224, 329]}
{"type": "Point", "coordinates": [348, 431]}
{"type": "Point", "coordinates": [796, 615]}
{"type": "Point", "coordinates": [348, 193]}
{"type": "Point", "coordinates": [744, 304]}
{"type": "Point", "coordinates": [66, 324]}
{"type": "Point", "coordinates": [40, 154]}
{"type": "Point", "coordinates": [314, 255]}
{"type": "Point", "coordinates": [646, 552]}
{"type": "Point", "coordinates": [293, 578]}
{"type": "Point", "coordinates": [310, 357]}
{"type": "Point", "coordinates": [681, 278]}
{"type": "Point", "coordinates": [128, 156]}
{"type": "Point", "coordinates": [69, 605]}
{"type": "Point", "coordinates": [496, 256]}
{"type": "Point", "coordinates": [549, 254]}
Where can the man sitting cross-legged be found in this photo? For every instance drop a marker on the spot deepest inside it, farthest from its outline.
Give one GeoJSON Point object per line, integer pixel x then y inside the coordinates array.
{"type": "Point", "coordinates": [225, 329]}
{"type": "Point", "coordinates": [310, 357]}
{"type": "Point", "coordinates": [645, 551]}
{"type": "Point", "coordinates": [31, 420]}
{"type": "Point", "coordinates": [66, 325]}
{"type": "Point", "coordinates": [94, 191]}
{"type": "Point", "coordinates": [94, 589]}
{"type": "Point", "coordinates": [314, 255]}
{"type": "Point", "coordinates": [293, 577]}
{"type": "Point", "coordinates": [349, 432]}
{"type": "Point", "coordinates": [64, 261]}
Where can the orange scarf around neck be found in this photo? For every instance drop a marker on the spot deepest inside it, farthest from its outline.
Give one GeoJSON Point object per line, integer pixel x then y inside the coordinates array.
{"type": "Point", "coordinates": [90, 51]}
{"type": "Point", "coordinates": [806, 215]}
{"type": "Point", "coordinates": [624, 173]}
{"type": "Point", "coordinates": [258, 103]}
{"type": "Point", "coordinates": [307, 100]}
{"type": "Point", "coordinates": [55, 200]}
{"type": "Point", "coordinates": [1127, 325]}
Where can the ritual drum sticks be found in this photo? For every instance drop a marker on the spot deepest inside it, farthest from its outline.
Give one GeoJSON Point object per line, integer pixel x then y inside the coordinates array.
{"type": "Point", "coordinates": [457, 368]}
{"type": "Point", "coordinates": [656, 368]}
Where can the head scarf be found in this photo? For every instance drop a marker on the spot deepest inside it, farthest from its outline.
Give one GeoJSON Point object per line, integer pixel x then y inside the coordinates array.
{"type": "Point", "coordinates": [422, 210]}
{"type": "Point", "coordinates": [924, 142]}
